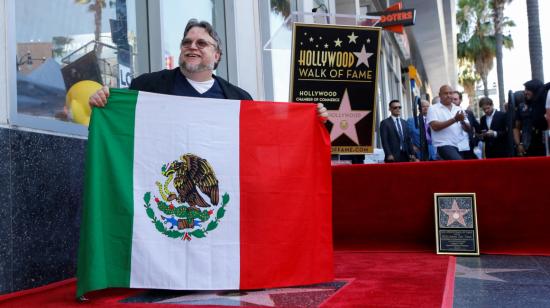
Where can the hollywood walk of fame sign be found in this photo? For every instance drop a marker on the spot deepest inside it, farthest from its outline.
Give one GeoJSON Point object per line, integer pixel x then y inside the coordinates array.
{"type": "Point", "coordinates": [456, 224]}
{"type": "Point", "coordinates": [338, 66]}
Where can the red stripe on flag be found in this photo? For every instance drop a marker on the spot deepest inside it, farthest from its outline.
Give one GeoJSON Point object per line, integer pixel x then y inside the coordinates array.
{"type": "Point", "coordinates": [286, 196]}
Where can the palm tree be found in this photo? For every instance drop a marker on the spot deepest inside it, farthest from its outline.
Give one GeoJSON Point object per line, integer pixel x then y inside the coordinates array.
{"type": "Point", "coordinates": [475, 42]}
{"type": "Point", "coordinates": [535, 46]}
{"type": "Point", "coordinates": [468, 78]}
{"type": "Point", "coordinates": [96, 7]}
{"type": "Point", "coordinates": [281, 7]}
{"type": "Point", "coordinates": [476, 38]}
{"type": "Point", "coordinates": [498, 18]}
{"type": "Point", "coordinates": [59, 45]}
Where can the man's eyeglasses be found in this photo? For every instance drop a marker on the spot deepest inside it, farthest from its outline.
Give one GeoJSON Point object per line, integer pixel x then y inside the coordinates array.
{"type": "Point", "coordinates": [200, 43]}
{"type": "Point", "coordinates": [396, 107]}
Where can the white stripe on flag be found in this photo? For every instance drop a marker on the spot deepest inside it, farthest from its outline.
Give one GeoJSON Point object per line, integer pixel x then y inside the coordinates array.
{"type": "Point", "coordinates": [167, 263]}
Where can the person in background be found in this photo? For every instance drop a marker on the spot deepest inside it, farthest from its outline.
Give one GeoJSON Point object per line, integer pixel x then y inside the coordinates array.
{"type": "Point", "coordinates": [469, 139]}
{"type": "Point", "coordinates": [547, 105]}
{"type": "Point", "coordinates": [530, 121]}
{"type": "Point", "coordinates": [415, 133]}
{"type": "Point", "coordinates": [493, 130]}
{"type": "Point", "coordinates": [447, 122]}
{"type": "Point", "coordinates": [395, 136]}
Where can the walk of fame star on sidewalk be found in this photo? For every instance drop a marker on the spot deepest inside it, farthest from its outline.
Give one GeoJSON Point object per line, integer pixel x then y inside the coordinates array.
{"type": "Point", "coordinates": [483, 273]}
{"type": "Point", "coordinates": [305, 296]}
{"type": "Point", "coordinates": [262, 298]}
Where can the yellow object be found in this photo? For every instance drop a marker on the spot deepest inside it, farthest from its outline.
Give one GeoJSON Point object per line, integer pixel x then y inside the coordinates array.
{"type": "Point", "coordinates": [77, 100]}
{"type": "Point", "coordinates": [413, 74]}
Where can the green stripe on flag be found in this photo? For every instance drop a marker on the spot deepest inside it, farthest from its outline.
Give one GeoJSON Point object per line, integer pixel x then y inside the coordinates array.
{"type": "Point", "coordinates": [106, 231]}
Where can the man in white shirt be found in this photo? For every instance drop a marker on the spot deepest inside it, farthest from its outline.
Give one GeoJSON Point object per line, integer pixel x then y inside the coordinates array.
{"type": "Point", "coordinates": [447, 122]}
{"type": "Point", "coordinates": [469, 140]}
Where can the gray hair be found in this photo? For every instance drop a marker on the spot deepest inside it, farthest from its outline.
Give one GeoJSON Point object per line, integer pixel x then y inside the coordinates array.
{"type": "Point", "coordinates": [209, 29]}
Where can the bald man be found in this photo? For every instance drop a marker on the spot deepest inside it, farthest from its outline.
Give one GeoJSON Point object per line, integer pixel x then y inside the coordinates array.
{"type": "Point", "coordinates": [447, 122]}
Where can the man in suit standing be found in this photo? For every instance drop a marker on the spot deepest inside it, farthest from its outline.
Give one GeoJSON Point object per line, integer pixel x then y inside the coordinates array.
{"type": "Point", "coordinates": [395, 136]}
{"type": "Point", "coordinates": [493, 129]}
{"type": "Point", "coordinates": [415, 133]}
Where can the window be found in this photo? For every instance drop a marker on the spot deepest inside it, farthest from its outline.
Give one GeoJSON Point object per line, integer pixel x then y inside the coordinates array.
{"type": "Point", "coordinates": [63, 52]}
{"type": "Point", "coordinates": [277, 55]}
{"type": "Point", "coordinates": [174, 15]}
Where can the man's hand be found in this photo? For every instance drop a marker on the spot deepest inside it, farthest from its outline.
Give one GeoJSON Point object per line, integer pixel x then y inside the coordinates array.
{"type": "Point", "coordinates": [521, 150]}
{"type": "Point", "coordinates": [322, 112]}
{"type": "Point", "coordinates": [390, 158]}
{"type": "Point", "coordinates": [490, 134]}
{"type": "Point", "coordinates": [459, 116]}
{"type": "Point", "coordinates": [99, 98]}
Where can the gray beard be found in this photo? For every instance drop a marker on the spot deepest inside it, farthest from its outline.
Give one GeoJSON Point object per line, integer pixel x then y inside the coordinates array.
{"type": "Point", "coordinates": [197, 68]}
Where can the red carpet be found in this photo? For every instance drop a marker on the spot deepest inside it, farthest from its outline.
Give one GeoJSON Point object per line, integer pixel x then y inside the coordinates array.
{"type": "Point", "coordinates": [376, 280]}
{"type": "Point", "coordinates": [390, 207]}
{"type": "Point", "coordinates": [390, 279]}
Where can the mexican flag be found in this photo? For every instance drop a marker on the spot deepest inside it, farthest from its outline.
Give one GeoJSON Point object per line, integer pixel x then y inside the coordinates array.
{"type": "Point", "coordinates": [205, 194]}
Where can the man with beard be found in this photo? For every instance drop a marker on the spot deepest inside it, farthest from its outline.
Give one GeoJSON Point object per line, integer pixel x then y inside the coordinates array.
{"type": "Point", "coordinates": [200, 53]}
{"type": "Point", "coordinates": [493, 129]}
{"type": "Point", "coordinates": [530, 121]}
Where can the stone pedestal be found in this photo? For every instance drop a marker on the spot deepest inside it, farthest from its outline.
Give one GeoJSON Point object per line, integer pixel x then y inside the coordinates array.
{"type": "Point", "coordinates": [41, 187]}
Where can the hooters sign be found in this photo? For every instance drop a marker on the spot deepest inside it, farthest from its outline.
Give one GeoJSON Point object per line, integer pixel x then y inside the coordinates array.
{"type": "Point", "coordinates": [394, 18]}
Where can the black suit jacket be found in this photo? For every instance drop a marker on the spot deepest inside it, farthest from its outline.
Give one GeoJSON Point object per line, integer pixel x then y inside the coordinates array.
{"type": "Point", "coordinates": [163, 82]}
{"type": "Point", "coordinates": [496, 147]}
{"type": "Point", "coordinates": [472, 134]}
{"type": "Point", "coordinates": [390, 139]}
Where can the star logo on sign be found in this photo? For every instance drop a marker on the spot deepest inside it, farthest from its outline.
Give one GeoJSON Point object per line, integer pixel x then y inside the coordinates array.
{"type": "Point", "coordinates": [338, 43]}
{"type": "Point", "coordinates": [455, 214]}
{"type": "Point", "coordinates": [368, 41]}
{"type": "Point", "coordinates": [352, 37]}
{"type": "Point", "coordinates": [311, 39]}
{"type": "Point", "coordinates": [326, 45]}
{"type": "Point", "coordinates": [362, 57]}
{"type": "Point", "coordinates": [344, 120]}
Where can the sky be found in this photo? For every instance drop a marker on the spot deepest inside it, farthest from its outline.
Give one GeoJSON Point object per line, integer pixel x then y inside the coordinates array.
{"type": "Point", "coordinates": [516, 64]}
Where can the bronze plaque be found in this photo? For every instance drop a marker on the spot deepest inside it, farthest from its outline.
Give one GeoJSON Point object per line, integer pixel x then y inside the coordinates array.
{"type": "Point", "coordinates": [456, 224]}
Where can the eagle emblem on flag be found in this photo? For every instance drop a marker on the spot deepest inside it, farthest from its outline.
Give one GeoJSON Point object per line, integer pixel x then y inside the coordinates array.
{"type": "Point", "coordinates": [181, 211]}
